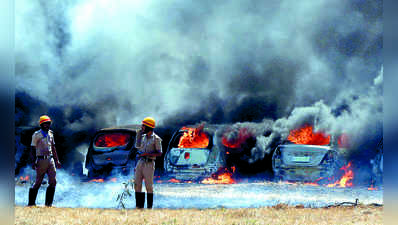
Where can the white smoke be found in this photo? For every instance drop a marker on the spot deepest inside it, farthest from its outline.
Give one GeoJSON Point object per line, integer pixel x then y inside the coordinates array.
{"type": "Point", "coordinates": [72, 193]}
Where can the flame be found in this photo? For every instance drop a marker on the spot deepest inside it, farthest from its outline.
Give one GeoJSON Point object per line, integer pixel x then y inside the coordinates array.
{"type": "Point", "coordinates": [372, 188]}
{"type": "Point", "coordinates": [222, 177]}
{"type": "Point", "coordinates": [112, 140]}
{"type": "Point", "coordinates": [306, 136]}
{"type": "Point", "coordinates": [113, 179]}
{"type": "Point", "coordinates": [237, 142]}
{"type": "Point", "coordinates": [24, 178]}
{"type": "Point", "coordinates": [346, 179]}
{"type": "Point", "coordinates": [193, 138]}
{"type": "Point", "coordinates": [173, 180]}
{"type": "Point", "coordinates": [97, 180]}
{"type": "Point", "coordinates": [315, 183]}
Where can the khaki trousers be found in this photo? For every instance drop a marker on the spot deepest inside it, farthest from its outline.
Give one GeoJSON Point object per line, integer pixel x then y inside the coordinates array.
{"type": "Point", "coordinates": [144, 171]}
{"type": "Point", "coordinates": [45, 166]}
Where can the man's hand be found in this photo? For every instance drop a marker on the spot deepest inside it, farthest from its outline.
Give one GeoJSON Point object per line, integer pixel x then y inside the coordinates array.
{"type": "Point", "coordinates": [58, 165]}
{"type": "Point", "coordinates": [155, 154]}
{"type": "Point", "coordinates": [34, 165]}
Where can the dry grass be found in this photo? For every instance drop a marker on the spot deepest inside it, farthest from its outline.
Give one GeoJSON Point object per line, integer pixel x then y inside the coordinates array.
{"type": "Point", "coordinates": [280, 214]}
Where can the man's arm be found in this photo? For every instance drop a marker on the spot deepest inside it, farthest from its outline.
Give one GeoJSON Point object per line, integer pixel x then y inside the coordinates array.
{"type": "Point", "coordinates": [138, 139]}
{"type": "Point", "coordinates": [154, 154]}
{"type": "Point", "coordinates": [33, 156]}
{"type": "Point", "coordinates": [57, 163]}
{"type": "Point", "coordinates": [33, 150]}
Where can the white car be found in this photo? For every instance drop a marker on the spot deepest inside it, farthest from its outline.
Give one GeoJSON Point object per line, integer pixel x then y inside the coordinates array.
{"type": "Point", "coordinates": [296, 162]}
{"type": "Point", "coordinates": [192, 162]}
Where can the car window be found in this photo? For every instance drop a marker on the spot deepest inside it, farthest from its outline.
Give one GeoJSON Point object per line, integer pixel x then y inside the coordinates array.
{"type": "Point", "coordinates": [112, 139]}
{"type": "Point", "coordinates": [188, 140]}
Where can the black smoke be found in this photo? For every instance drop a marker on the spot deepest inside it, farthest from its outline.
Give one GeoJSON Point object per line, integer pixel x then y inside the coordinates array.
{"type": "Point", "coordinates": [90, 65]}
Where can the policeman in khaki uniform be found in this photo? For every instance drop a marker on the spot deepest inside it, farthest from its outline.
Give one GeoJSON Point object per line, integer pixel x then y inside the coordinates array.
{"type": "Point", "coordinates": [45, 161]}
{"type": "Point", "coordinates": [150, 146]}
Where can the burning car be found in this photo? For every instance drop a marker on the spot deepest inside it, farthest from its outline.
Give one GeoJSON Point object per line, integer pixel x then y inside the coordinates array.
{"type": "Point", "coordinates": [193, 154]}
{"type": "Point", "coordinates": [306, 156]}
{"type": "Point", "coordinates": [112, 148]}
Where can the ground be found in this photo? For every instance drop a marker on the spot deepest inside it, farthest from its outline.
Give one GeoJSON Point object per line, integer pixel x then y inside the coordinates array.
{"type": "Point", "coordinates": [279, 214]}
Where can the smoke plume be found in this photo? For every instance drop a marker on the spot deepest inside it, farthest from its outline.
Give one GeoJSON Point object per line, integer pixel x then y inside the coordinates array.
{"type": "Point", "coordinates": [92, 64]}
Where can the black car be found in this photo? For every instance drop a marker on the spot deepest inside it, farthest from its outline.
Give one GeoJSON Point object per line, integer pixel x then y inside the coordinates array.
{"type": "Point", "coordinates": [112, 149]}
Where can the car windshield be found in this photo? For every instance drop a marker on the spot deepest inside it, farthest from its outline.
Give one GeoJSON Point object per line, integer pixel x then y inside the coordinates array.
{"type": "Point", "coordinates": [192, 139]}
{"type": "Point", "coordinates": [112, 140]}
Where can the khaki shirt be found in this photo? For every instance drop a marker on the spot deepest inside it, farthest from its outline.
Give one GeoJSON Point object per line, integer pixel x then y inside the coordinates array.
{"type": "Point", "coordinates": [43, 144]}
{"type": "Point", "coordinates": [149, 144]}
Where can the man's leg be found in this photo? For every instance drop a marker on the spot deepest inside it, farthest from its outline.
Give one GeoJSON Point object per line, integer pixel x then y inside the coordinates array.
{"type": "Point", "coordinates": [138, 176]}
{"type": "Point", "coordinates": [40, 172]}
{"type": "Point", "coordinates": [148, 176]}
{"type": "Point", "coordinates": [52, 181]}
{"type": "Point", "coordinates": [32, 196]}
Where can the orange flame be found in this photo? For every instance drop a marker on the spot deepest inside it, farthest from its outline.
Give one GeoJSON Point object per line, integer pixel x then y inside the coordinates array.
{"type": "Point", "coordinates": [97, 180]}
{"type": "Point", "coordinates": [236, 143]}
{"type": "Point", "coordinates": [24, 178]}
{"type": "Point", "coordinates": [112, 140]}
{"type": "Point", "coordinates": [306, 136]}
{"type": "Point", "coordinates": [346, 179]}
{"type": "Point", "coordinates": [225, 177]}
{"type": "Point", "coordinates": [372, 188]}
{"type": "Point", "coordinates": [173, 180]}
{"type": "Point", "coordinates": [113, 179]}
{"type": "Point", "coordinates": [315, 183]}
{"type": "Point", "coordinates": [193, 138]}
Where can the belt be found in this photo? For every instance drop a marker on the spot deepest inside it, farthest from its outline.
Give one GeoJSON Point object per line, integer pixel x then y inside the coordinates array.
{"type": "Point", "coordinates": [147, 159]}
{"type": "Point", "coordinates": [44, 156]}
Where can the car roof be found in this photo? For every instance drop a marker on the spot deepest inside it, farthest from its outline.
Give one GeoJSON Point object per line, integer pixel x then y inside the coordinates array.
{"type": "Point", "coordinates": [133, 127]}
{"type": "Point", "coordinates": [293, 146]}
{"type": "Point", "coordinates": [207, 127]}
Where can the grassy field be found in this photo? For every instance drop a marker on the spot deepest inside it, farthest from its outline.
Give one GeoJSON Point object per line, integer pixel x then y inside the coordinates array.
{"type": "Point", "coordinates": [280, 214]}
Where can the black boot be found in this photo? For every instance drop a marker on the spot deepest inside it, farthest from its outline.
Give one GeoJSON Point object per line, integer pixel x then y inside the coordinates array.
{"type": "Point", "coordinates": [50, 195]}
{"type": "Point", "coordinates": [32, 196]}
{"type": "Point", "coordinates": [149, 200]}
{"type": "Point", "coordinates": [139, 199]}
